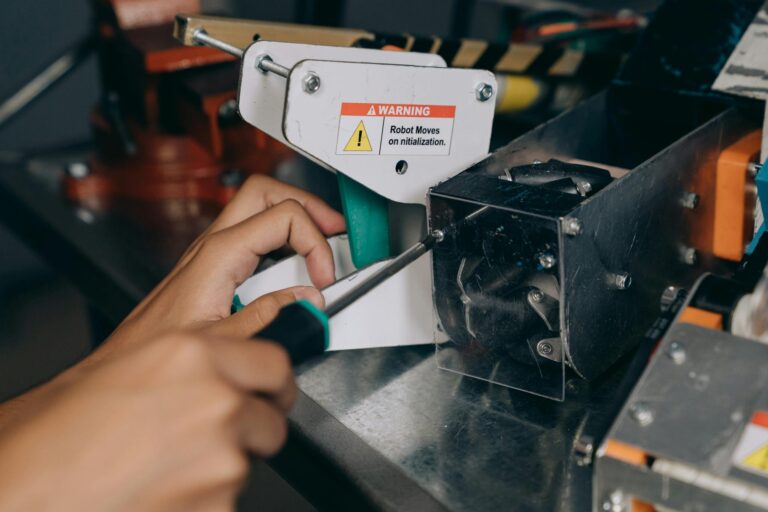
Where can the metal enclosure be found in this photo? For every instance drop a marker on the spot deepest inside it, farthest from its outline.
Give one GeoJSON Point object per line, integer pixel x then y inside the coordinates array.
{"type": "Point", "coordinates": [616, 251]}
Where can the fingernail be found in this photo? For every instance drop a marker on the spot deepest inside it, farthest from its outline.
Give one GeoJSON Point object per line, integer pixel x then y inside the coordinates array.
{"type": "Point", "coordinates": [312, 295]}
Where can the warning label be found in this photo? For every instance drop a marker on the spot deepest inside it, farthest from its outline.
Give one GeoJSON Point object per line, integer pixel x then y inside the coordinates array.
{"type": "Point", "coordinates": [751, 453]}
{"type": "Point", "coordinates": [395, 129]}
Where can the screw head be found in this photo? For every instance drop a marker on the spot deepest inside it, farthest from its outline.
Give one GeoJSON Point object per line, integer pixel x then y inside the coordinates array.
{"type": "Point", "coordinates": [311, 83]}
{"type": "Point", "coordinates": [439, 235]}
{"type": "Point", "coordinates": [401, 167]}
{"type": "Point", "coordinates": [641, 413]}
{"type": "Point", "coordinates": [78, 170]}
{"type": "Point", "coordinates": [536, 295]}
{"type": "Point", "coordinates": [547, 261]}
{"type": "Point", "coordinates": [691, 200]}
{"type": "Point", "coordinates": [690, 256]}
{"type": "Point", "coordinates": [572, 226]}
{"type": "Point", "coordinates": [544, 348]}
{"type": "Point", "coordinates": [484, 92]}
{"type": "Point", "coordinates": [676, 352]}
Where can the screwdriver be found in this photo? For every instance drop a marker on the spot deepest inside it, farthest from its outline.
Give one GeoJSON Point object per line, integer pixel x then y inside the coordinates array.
{"type": "Point", "coordinates": [302, 328]}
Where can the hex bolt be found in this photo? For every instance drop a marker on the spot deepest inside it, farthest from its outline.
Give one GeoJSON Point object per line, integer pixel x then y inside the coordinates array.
{"type": "Point", "coordinates": [311, 83]}
{"type": "Point", "coordinates": [483, 92]}
{"type": "Point", "coordinates": [690, 256]}
{"type": "Point", "coordinates": [547, 261]}
{"type": "Point", "coordinates": [690, 200]}
{"type": "Point", "coordinates": [572, 226]}
{"type": "Point", "coordinates": [623, 280]}
{"type": "Point", "coordinates": [544, 348]}
{"type": "Point", "coordinates": [78, 170]}
{"type": "Point", "coordinates": [401, 167]}
{"type": "Point", "coordinates": [641, 413]}
{"type": "Point", "coordinates": [676, 352]}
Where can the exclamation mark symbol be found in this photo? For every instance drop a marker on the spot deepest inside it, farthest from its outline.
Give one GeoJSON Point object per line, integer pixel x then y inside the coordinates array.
{"type": "Point", "coordinates": [359, 137]}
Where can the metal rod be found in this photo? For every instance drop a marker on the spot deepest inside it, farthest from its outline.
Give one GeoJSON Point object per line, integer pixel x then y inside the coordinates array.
{"type": "Point", "coordinates": [265, 63]}
{"type": "Point", "coordinates": [201, 37]}
{"type": "Point", "coordinates": [384, 273]}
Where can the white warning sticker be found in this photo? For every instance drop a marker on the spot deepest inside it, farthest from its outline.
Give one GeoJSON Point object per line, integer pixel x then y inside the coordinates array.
{"type": "Point", "coordinates": [395, 129]}
{"type": "Point", "coordinates": [751, 453]}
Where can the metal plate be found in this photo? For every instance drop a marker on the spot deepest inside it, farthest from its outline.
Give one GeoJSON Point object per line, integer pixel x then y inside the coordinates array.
{"type": "Point", "coordinates": [262, 95]}
{"type": "Point", "coordinates": [313, 123]}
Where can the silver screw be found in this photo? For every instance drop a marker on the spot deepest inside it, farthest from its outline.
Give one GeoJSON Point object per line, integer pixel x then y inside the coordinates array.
{"type": "Point", "coordinates": [690, 200]}
{"type": "Point", "coordinates": [572, 226]}
{"type": "Point", "coordinates": [690, 256]}
{"type": "Point", "coordinates": [78, 170]}
{"type": "Point", "coordinates": [544, 348]}
{"type": "Point", "coordinates": [438, 235]}
{"type": "Point", "coordinates": [536, 295]}
{"type": "Point", "coordinates": [623, 281]}
{"type": "Point", "coordinates": [484, 92]}
{"type": "Point", "coordinates": [676, 352]}
{"type": "Point", "coordinates": [615, 502]}
{"type": "Point", "coordinates": [311, 83]}
{"type": "Point", "coordinates": [547, 261]}
{"type": "Point", "coordinates": [641, 413]}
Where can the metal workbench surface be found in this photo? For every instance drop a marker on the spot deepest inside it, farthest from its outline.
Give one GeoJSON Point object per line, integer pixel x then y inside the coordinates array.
{"type": "Point", "coordinates": [372, 429]}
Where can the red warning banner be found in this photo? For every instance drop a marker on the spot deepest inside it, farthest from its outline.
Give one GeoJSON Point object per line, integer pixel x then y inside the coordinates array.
{"type": "Point", "coordinates": [397, 110]}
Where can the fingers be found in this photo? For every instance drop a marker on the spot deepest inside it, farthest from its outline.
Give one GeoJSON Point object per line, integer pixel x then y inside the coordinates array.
{"type": "Point", "coordinates": [259, 313]}
{"type": "Point", "coordinates": [263, 427]}
{"type": "Point", "coordinates": [258, 367]}
{"type": "Point", "coordinates": [259, 193]}
{"type": "Point", "coordinates": [237, 249]}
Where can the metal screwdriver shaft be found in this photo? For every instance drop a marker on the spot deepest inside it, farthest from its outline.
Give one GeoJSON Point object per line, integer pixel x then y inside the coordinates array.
{"type": "Point", "coordinates": [384, 273]}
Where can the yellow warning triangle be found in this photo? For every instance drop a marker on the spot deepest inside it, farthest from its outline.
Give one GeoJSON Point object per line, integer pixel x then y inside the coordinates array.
{"type": "Point", "coordinates": [359, 140]}
{"type": "Point", "coordinates": [758, 459]}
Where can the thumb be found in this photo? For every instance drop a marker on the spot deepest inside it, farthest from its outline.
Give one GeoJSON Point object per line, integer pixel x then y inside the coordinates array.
{"type": "Point", "coordinates": [258, 314]}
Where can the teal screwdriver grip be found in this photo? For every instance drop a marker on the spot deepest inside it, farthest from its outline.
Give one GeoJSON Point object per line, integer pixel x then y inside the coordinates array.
{"type": "Point", "coordinates": [301, 328]}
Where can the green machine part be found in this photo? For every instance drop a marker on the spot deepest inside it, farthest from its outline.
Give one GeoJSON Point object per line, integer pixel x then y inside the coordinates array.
{"type": "Point", "coordinates": [367, 217]}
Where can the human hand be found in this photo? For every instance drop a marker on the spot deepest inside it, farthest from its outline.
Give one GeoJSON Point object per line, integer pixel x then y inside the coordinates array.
{"type": "Point", "coordinates": [166, 426]}
{"type": "Point", "coordinates": [264, 215]}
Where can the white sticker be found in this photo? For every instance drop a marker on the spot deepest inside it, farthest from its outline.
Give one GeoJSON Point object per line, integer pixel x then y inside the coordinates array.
{"type": "Point", "coordinates": [751, 453]}
{"type": "Point", "coordinates": [395, 129]}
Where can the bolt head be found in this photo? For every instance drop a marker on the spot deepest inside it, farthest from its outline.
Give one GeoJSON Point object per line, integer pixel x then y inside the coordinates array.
{"type": "Point", "coordinates": [676, 352]}
{"type": "Point", "coordinates": [536, 295]}
{"type": "Point", "coordinates": [547, 261]}
{"type": "Point", "coordinates": [572, 226]}
{"type": "Point", "coordinates": [484, 92]}
{"type": "Point", "coordinates": [78, 170]}
{"type": "Point", "coordinates": [641, 413]}
{"type": "Point", "coordinates": [545, 348]}
{"type": "Point", "coordinates": [439, 235]}
{"type": "Point", "coordinates": [311, 83]}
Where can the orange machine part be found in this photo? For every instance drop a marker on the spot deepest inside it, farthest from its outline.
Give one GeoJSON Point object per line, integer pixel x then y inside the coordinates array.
{"type": "Point", "coordinates": [702, 318]}
{"type": "Point", "coordinates": [641, 506]}
{"type": "Point", "coordinates": [625, 453]}
{"type": "Point", "coordinates": [732, 230]}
